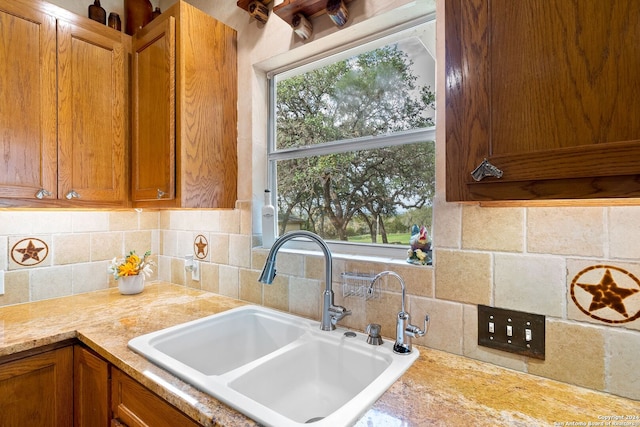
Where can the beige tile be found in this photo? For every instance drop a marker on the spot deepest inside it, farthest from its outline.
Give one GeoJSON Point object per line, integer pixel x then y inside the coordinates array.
{"type": "Point", "coordinates": [48, 221]}
{"type": "Point", "coordinates": [229, 221]}
{"type": "Point", "coordinates": [240, 250]}
{"type": "Point", "coordinates": [29, 251]}
{"type": "Point", "coordinates": [71, 248]}
{"type": "Point", "coordinates": [250, 288]}
{"type": "Point", "coordinates": [290, 264]}
{"type": "Point", "coordinates": [219, 248]}
{"type": "Point", "coordinates": [123, 220]}
{"type": "Point", "coordinates": [276, 295]}
{"type": "Point", "coordinates": [496, 229]}
{"type": "Point", "coordinates": [50, 282]}
{"type": "Point", "coordinates": [186, 220]}
{"type": "Point", "coordinates": [258, 258]}
{"type": "Point", "coordinates": [229, 283]}
{"type": "Point", "coordinates": [305, 297]}
{"type": "Point", "coordinates": [418, 279]}
{"type": "Point", "coordinates": [90, 221]}
{"type": "Point", "coordinates": [4, 252]}
{"type": "Point", "coordinates": [624, 232]}
{"type": "Point", "coordinates": [533, 284]}
{"type": "Point", "coordinates": [245, 216]}
{"type": "Point", "coordinates": [87, 277]}
{"type": "Point", "coordinates": [149, 220]}
{"type": "Point", "coordinates": [574, 354]}
{"type": "Point", "coordinates": [170, 243]}
{"type": "Point", "coordinates": [445, 323]}
{"type": "Point", "coordinates": [178, 275]}
{"type": "Point", "coordinates": [16, 287]}
{"type": "Point", "coordinates": [623, 376]}
{"type": "Point", "coordinates": [210, 277]}
{"type": "Point", "coordinates": [473, 350]}
{"type": "Point", "coordinates": [463, 276]}
{"type": "Point", "coordinates": [447, 220]}
{"type": "Point", "coordinates": [590, 274]}
{"type": "Point", "coordinates": [106, 246]}
{"type": "Point", "coordinates": [139, 241]}
{"type": "Point", "coordinates": [566, 231]}
{"type": "Point", "coordinates": [165, 219]}
{"type": "Point", "coordinates": [164, 268]}
{"type": "Point", "coordinates": [211, 220]}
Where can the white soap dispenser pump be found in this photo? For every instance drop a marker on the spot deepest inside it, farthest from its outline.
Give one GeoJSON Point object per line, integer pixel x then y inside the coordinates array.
{"type": "Point", "coordinates": [268, 221]}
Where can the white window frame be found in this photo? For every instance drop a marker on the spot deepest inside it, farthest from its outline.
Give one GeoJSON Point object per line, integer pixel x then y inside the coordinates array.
{"type": "Point", "coordinates": [368, 250]}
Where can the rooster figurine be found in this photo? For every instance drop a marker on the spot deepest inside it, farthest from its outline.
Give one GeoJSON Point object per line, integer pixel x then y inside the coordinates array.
{"type": "Point", "coordinates": [420, 246]}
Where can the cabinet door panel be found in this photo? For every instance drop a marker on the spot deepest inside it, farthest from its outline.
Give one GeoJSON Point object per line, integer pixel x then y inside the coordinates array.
{"type": "Point", "coordinates": [91, 123]}
{"type": "Point", "coordinates": [27, 102]}
{"type": "Point", "coordinates": [91, 389]}
{"type": "Point", "coordinates": [154, 94]}
{"type": "Point", "coordinates": [545, 91]}
{"type": "Point", "coordinates": [38, 390]}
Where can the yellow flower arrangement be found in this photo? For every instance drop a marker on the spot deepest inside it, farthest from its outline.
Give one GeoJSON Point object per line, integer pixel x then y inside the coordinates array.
{"type": "Point", "coordinates": [131, 265]}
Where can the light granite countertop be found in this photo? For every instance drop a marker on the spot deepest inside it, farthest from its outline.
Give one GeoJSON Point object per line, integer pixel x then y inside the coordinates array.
{"type": "Point", "coordinates": [440, 389]}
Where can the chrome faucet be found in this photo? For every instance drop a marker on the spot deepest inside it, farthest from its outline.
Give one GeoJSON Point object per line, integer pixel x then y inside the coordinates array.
{"type": "Point", "coordinates": [331, 313]}
{"type": "Point", "coordinates": [404, 329]}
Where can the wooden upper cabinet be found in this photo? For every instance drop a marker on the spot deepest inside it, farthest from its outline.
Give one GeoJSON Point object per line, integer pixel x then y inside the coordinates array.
{"type": "Point", "coordinates": [91, 114]}
{"type": "Point", "coordinates": [184, 105]}
{"type": "Point", "coordinates": [154, 112]}
{"type": "Point", "coordinates": [546, 91]}
{"type": "Point", "coordinates": [28, 143]}
{"type": "Point", "coordinates": [63, 108]}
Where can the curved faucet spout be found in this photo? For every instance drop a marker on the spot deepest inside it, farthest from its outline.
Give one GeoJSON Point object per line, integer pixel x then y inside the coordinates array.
{"type": "Point", "coordinates": [404, 329]}
{"type": "Point", "coordinates": [331, 313]}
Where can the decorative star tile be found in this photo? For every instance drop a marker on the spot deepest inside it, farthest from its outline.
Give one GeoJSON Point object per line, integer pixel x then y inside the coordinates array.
{"type": "Point", "coordinates": [29, 252]}
{"type": "Point", "coordinates": [607, 293]}
{"type": "Point", "coordinates": [201, 246]}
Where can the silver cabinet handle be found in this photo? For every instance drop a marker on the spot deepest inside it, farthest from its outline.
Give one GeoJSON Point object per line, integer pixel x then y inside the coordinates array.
{"type": "Point", "coordinates": [72, 195]}
{"type": "Point", "coordinates": [42, 193]}
{"type": "Point", "coordinates": [161, 193]}
{"type": "Point", "coordinates": [484, 170]}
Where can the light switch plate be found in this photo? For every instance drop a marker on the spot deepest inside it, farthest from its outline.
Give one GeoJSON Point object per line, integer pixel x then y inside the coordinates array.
{"type": "Point", "coordinates": [513, 331]}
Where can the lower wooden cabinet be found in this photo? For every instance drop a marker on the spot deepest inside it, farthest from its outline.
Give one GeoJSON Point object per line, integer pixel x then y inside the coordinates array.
{"type": "Point", "coordinates": [136, 406]}
{"type": "Point", "coordinates": [91, 386]}
{"type": "Point", "coordinates": [73, 386]}
{"type": "Point", "coordinates": [37, 390]}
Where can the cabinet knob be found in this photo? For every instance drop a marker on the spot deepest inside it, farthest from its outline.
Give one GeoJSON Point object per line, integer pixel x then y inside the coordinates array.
{"type": "Point", "coordinates": [72, 195]}
{"type": "Point", "coordinates": [484, 170]}
{"type": "Point", "coordinates": [160, 194]}
{"type": "Point", "coordinates": [42, 193]}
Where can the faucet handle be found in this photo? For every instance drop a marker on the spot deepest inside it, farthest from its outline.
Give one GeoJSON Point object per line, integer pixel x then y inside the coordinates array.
{"type": "Point", "coordinates": [338, 312]}
{"type": "Point", "coordinates": [415, 331]}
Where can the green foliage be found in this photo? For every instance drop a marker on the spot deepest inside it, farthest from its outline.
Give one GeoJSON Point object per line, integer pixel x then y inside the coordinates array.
{"type": "Point", "coordinates": [372, 94]}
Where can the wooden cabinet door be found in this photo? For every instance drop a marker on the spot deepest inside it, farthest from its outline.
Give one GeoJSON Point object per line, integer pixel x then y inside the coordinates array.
{"type": "Point", "coordinates": [546, 91]}
{"type": "Point", "coordinates": [38, 390]}
{"type": "Point", "coordinates": [28, 145]}
{"type": "Point", "coordinates": [91, 114]}
{"type": "Point", "coordinates": [136, 406]}
{"type": "Point", "coordinates": [153, 167]}
{"type": "Point", "coordinates": [91, 385]}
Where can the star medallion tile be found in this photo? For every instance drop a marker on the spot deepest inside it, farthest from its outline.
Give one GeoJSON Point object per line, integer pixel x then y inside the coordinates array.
{"type": "Point", "coordinates": [607, 293]}
{"type": "Point", "coordinates": [28, 252]}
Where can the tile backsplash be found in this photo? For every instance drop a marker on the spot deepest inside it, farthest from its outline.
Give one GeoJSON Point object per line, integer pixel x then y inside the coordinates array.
{"type": "Point", "coordinates": [577, 266]}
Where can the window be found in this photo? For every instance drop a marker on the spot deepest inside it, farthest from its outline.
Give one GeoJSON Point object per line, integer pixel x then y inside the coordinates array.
{"type": "Point", "coordinates": [351, 152]}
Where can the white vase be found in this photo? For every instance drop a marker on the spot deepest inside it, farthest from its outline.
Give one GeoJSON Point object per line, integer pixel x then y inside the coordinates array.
{"type": "Point", "coordinates": [130, 285]}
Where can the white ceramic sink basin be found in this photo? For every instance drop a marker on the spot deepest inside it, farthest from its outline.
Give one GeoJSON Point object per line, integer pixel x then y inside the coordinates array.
{"type": "Point", "coordinates": [277, 368]}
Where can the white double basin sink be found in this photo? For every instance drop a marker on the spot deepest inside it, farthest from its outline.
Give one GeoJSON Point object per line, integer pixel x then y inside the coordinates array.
{"type": "Point", "coordinates": [277, 368]}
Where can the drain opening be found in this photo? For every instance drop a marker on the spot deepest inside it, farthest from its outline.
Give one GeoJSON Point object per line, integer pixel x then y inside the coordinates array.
{"type": "Point", "coordinates": [313, 420]}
